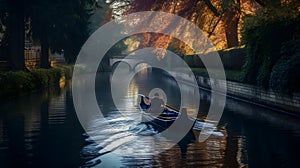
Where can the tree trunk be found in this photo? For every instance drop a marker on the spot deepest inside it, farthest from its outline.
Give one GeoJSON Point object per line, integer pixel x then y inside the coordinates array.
{"type": "Point", "coordinates": [231, 21]}
{"type": "Point", "coordinates": [16, 35]}
{"type": "Point", "coordinates": [44, 49]}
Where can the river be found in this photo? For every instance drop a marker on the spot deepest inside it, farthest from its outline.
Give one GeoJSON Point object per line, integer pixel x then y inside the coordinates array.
{"type": "Point", "coordinates": [42, 130]}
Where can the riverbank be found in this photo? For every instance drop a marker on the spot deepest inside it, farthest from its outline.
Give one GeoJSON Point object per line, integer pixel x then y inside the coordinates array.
{"type": "Point", "coordinates": [289, 104]}
{"type": "Point", "coordinates": [22, 82]}
{"type": "Point", "coordinates": [256, 95]}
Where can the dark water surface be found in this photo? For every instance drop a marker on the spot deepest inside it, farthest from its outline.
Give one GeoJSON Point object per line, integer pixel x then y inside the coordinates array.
{"type": "Point", "coordinates": [42, 130]}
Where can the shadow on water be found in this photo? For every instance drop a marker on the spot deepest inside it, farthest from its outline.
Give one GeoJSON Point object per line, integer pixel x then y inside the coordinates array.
{"type": "Point", "coordinates": [40, 130]}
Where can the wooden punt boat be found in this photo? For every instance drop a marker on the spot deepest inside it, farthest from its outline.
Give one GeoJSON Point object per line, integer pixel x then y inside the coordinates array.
{"type": "Point", "coordinates": [163, 120]}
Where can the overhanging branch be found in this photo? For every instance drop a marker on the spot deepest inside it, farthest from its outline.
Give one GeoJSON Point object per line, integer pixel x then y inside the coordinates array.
{"type": "Point", "coordinates": [212, 8]}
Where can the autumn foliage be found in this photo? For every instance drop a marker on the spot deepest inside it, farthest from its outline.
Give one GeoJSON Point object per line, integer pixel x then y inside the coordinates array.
{"type": "Point", "coordinates": [220, 20]}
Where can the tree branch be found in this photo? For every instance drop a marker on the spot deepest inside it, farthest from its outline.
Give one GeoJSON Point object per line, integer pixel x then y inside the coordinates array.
{"type": "Point", "coordinates": [212, 8]}
{"type": "Point", "coordinates": [260, 2]}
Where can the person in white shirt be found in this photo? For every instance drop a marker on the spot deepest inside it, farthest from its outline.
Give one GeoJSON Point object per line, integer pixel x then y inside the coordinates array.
{"type": "Point", "coordinates": [157, 105]}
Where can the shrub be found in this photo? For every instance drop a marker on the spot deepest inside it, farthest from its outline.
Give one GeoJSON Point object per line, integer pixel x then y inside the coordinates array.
{"type": "Point", "coordinates": [66, 71]}
{"type": "Point", "coordinates": [41, 77]}
{"type": "Point", "coordinates": [263, 35]}
{"type": "Point", "coordinates": [232, 59]}
{"type": "Point", "coordinates": [285, 73]}
{"type": "Point", "coordinates": [16, 83]}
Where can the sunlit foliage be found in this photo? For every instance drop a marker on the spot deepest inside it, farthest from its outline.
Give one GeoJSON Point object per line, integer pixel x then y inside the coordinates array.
{"type": "Point", "coordinates": [219, 19]}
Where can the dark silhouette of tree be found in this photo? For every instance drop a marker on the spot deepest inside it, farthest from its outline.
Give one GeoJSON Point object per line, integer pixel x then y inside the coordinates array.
{"type": "Point", "coordinates": [41, 16]}
{"type": "Point", "coordinates": [60, 25]}
{"type": "Point", "coordinates": [56, 24]}
{"type": "Point", "coordinates": [3, 30]}
{"type": "Point", "coordinates": [15, 30]}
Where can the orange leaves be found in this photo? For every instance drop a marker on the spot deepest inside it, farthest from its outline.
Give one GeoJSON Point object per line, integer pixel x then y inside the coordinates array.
{"type": "Point", "coordinates": [208, 15]}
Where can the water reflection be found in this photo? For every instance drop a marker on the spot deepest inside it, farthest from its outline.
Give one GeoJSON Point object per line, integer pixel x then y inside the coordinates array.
{"type": "Point", "coordinates": [38, 129]}
{"type": "Point", "coordinates": [42, 130]}
{"type": "Point", "coordinates": [136, 144]}
{"type": "Point", "coordinates": [231, 145]}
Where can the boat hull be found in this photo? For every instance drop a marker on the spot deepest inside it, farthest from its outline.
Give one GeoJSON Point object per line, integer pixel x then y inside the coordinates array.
{"type": "Point", "coordinates": [158, 123]}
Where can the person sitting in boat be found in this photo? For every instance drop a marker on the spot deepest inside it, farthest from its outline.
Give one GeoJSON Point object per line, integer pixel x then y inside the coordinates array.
{"type": "Point", "coordinates": [157, 105]}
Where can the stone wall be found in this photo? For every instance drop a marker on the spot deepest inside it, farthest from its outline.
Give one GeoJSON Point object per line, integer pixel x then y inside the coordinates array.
{"type": "Point", "coordinates": [249, 93]}
{"type": "Point", "coordinates": [255, 94]}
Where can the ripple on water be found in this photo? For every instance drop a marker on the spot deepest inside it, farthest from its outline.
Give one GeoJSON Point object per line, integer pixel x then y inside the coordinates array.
{"type": "Point", "coordinates": [110, 133]}
{"type": "Point", "coordinates": [136, 145]}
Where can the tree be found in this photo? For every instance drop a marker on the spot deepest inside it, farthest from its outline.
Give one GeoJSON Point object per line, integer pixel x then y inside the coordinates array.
{"type": "Point", "coordinates": [60, 25]}
{"type": "Point", "coordinates": [72, 29]}
{"type": "Point", "coordinates": [265, 35]}
{"type": "Point", "coordinates": [220, 19]}
{"type": "Point", "coordinates": [229, 12]}
{"type": "Point", "coordinates": [15, 32]}
{"type": "Point", "coordinates": [3, 30]}
{"type": "Point", "coordinates": [56, 25]}
{"type": "Point", "coordinates": [100, 15]}
{"type": "Point", "coordinates": [40, 14]}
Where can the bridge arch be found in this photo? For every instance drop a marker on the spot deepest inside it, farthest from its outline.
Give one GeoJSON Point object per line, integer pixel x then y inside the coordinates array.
{"type": "Point", "coordinates": [115, 65]}
{"type": "Point", "coordinates": [140, 63]}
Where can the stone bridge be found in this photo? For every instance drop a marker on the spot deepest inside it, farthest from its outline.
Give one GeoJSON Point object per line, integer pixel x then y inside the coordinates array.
{"type": "Point", "coordinates": [130, 61]}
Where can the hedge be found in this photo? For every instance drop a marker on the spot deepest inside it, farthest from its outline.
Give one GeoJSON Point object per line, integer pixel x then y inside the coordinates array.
{"type": "Point", "coordinates": [231, 75]}
{"type": "Point", "coordinates": [232, 59]}
{"type": "Point", "coordinates": [285, 73]}
{"type": "Point", "coordinates": [264, 34]}
{"type": "Point", "coordinates": [21, 82]}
